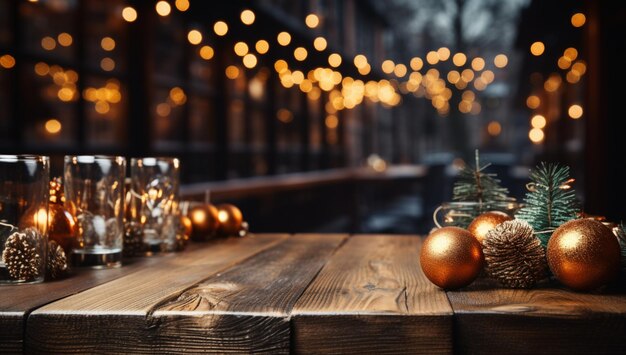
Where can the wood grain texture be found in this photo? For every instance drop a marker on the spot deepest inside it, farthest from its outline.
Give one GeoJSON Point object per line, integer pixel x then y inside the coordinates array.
{"type": "Point", "coordinates": [246, 308]}
{"type": "Point", "coordinates": [113, 317]}
{"type": "Point", "coordinates": [373, 297]}
{"type": "Point", "coordinates": [545, 320]}
{"type": "Point", "coordinates": [16, 302]}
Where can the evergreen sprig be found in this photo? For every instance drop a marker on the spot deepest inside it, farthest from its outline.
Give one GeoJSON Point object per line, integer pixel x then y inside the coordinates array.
{"type": "Point", "coordinates": [550, 200]}
{"type": "Point", "coordinates": [477, 186]}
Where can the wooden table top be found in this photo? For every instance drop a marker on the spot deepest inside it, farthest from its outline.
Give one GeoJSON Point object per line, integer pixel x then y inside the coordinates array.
{"type": "Point", "coordinates": [310, 293]}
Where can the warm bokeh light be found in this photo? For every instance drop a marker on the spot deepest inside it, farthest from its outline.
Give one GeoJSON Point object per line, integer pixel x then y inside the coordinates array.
{"type": "Point", "coordinates": [459, 59]}
{"type": "Point", "coordinates": [312, 21]}
{"type": "Point", "coordinates": [533, 101]}
{"type": "Point", "coordinates": [388, 66]}
{"type": "Point", "coordinates": [416, 63]}
{"type": "Point", "coordinates": [432, 57]}
{"type": "Point", "coordinates": [129, 14]}
{"type": "Point", "coordinates": [578, 19]}
{"type": "Point", "coordinates": [107, 64]}
{"type": "Point", "coordinates": [280, 66]}
{"type": "Point", "coordinates": [571, 54]}
{"type": "Point", "coordinates": [575, 111]}
{"type": "Point", "coordinates": [500, 61]}
{"type": "Point", "coordinates": [241, 49]}
{"type": "Point", "coordinates": [320, 43]}
{"type": "Point", "coordinates": [538, 121]}
{"type": "Point", "coordinates": [360, 61]}
{"type": "Point", "coordinates": [65, 39]}
{"type": "Point", "coordinates": [563, 63]}
{"type": "Point", "coordinates": [194, 37]}
{"type": "Point", "coordinates": [331, 121]}
{"type": "Point", "coordinates": [220, 28]}
{"type": "Point", "coordinates": [579, 68]}
{"type": "Point", "coordinates": [7, 61]}
{"type": "Point", "coordinates": [48, 43]}
{"type": "Point", "coordinates": [206, 52]}
{"type": "Point", "coordinates": [494, 128]}
{"type": "Point", "coordinates": [163, 8]}
{"type": "Point", "coordinates": [284, 115]}
{"type": "Point", "coordinates": [107, 44]}
{"type": "Point", "coordinates": [53, 126]}
{"type": "Point", "coordinates": [366, 69]}
{"type": "Point", "coordinates": [262, 46]}
{"type": "Point", "coordinates": [284, 38]}
{"type": "Point", "coordinates": [249, 61]}
{"type": "Point", "coordinates": [553, 83]}
{"type": "Point", "coordinates": [334, 60]}
{"type": "Point", "coordinates": [177, 95]}
{"type": "Point", "coordinates": [536, 135]}
{"type": "Point", "coordinates": [300, 53]}
{"type": "Point", "coordinates": [232, 72]}
{"type": "Point", "coordinates": [41, 68]}
{"type": "Point", "coordinates": [537, 48]}
{"type": "Point", "coordinates": [400, 70]}
{"type": "Point", "coordinates": [163, 109]}
{"type": "Point", "coordinates": [478, 64]}
{"type": "Point", "coordinates": [247, 17]}
{"type": "Point", "coordinates": [443, 53]}
{"type": "Point", "coordinates": [182, 5]}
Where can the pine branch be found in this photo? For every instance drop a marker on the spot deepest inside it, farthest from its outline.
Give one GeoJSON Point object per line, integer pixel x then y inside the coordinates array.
{"type": "Point", "coordinates": [477, 186]}
{"type": "Point", "coordinates": [621, 238]}
{"type": "Point", "coordinates": [550, 201]}
{"type": "Point", "coordinates": [474, 185]}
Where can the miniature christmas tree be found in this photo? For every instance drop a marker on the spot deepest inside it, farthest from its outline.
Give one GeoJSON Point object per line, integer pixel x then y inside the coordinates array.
{"type": "Point", "coordinates": [481, 188]}
{"type": "Point", "coordinates": [550, 201]}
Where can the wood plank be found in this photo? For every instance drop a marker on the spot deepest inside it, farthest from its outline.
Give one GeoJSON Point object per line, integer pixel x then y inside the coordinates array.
{"type": "Point", "coordinates": [489, 319]}
{"type": "Point", "coordinates": [246, 308]}
{"type": "Point", "coordinates": [372, 297]}
{"type": "Point", "coordinates": [121, 316]}
{"type": "Point", "coordinates": [18, 301]}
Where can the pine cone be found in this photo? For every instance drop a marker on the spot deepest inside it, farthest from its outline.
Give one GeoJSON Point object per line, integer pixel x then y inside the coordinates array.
{"type": "Point", "coordinates": [22, 256]}
{"type": "Point", "coordinates": [57, 261]}
{"type": "Point", "coordinates": [133, 240]}
{"type": "Point", "coordinates": [514, 255]}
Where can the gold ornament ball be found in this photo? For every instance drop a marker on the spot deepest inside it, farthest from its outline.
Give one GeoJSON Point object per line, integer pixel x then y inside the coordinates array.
{"type": "Point", "coordinates": [451, 257]}
{"type": "Point", "coordinates": [487, 221]}
{"type": "Point", "coordinates": [230, 218]}
{"type": "Point", "coordinates": [204, 222]}
{"type": "Point", "coordinates": [186, 225]}
{"type": "Point", "coordinates": [583, 254]}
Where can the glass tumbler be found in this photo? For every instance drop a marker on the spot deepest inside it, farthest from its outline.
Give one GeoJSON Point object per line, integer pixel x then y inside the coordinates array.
{"type": "Point", "coordinates": [23, 218]}
{"type": "Point", "coordinates": [94, 188]}
{"type": "Point", "coordinates": [155, 182]}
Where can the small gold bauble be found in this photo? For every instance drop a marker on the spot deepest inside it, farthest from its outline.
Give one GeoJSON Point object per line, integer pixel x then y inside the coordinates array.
{"type": "Point", "coordinates": [204, 222]}
{"type": "Point", "coordinates": [583, 254]}
{"type": "Point", "coordinates": [230, 218]}
{"type": "Point", "coordinates": [451, 257]}
{"type": "Point", "coordinates": [186, 225]}
{"type": "Point", "coordinates": [487, 221]}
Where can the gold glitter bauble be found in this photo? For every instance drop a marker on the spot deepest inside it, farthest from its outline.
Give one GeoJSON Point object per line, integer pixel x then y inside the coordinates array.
{"type": "Point", "coordinates": [451, 257]}
{"type": "Point", "coordinates": [204, 222]}
{"type": "Point", "coordinates": [583, 254]}
{"type": "Point", "coordinates": [230, 218]}
{"type": "Point", "coordinates": [487, 221]}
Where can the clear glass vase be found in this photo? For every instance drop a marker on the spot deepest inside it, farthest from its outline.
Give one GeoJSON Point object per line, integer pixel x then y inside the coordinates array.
{"type": "Point", "coordinates": [94, 193]}
{"type": "Point", "coordinates": [23, 218]}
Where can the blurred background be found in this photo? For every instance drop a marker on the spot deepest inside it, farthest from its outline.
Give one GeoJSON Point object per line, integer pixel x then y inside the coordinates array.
{"type": "Point", "coordinates": [324, 115]}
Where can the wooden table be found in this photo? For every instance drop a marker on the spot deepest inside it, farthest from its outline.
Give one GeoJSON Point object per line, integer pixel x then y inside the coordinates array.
{"type": "Point", "coordinates": [301, 294]}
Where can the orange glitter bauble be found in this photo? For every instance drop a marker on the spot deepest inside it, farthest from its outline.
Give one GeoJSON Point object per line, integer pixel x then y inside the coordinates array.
{"type": "Point", "coordinates": [230, 218]}
{"type": "Point", "coordinates": [583, 254]}
{"type": "Point", "coordinates": [487, 221]}
{"type": "Point", "coordinates": [186, 225]}
{"type": "Point", "coordinates": [204, 222]}
{"type": "Point", "coordinates": [451, 257]}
